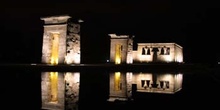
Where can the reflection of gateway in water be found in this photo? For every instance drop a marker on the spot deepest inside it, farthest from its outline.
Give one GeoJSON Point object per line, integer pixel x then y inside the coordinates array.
{"type": "Point", "coordinates": [123, 84]}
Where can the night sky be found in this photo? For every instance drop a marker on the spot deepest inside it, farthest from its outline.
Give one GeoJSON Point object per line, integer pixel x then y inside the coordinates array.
{"type": "Point", "coordinates": [192, 24]}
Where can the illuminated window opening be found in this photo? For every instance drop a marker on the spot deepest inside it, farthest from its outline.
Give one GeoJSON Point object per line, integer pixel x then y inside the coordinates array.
{"type": "Point", "coordinates": [53, 86]}
{"type": "Point", "coordinates": [55, 48]}
{"type": "Point", "coordinates": [118, 85]}
{"type": "Point", "coordinates": [118, 52]}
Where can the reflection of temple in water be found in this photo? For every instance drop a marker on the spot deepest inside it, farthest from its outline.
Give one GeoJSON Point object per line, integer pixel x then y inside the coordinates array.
{"type": "Point", "coordinates": [123, 84]}
{"type": "Point", "coordinates": [121, 52]}
{"type": "Point", "coordinates": [159, 83]}
{"type": "Point", "coordinates": [61, 45]}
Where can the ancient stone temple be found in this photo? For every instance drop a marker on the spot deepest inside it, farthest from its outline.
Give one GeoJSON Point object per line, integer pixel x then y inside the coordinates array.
{"type": "Point", "coordinates": [61, 40]}
{"type": "Point", "coordinates": [121, 51]}
{"type": "Point", "coordinates": [61, 45]}
{"type": "Point", "coordinates": [122, 83]}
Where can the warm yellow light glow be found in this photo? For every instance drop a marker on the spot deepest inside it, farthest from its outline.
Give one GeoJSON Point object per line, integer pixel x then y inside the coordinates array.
{"type": "Point", "coordinates": [117, 81]}
{"type": "Point", "coordinates": [54, 86]}
{"type": "Point", "coordinates": [55, 48]}
{"type": "Point", "coordinates": [117, 54]}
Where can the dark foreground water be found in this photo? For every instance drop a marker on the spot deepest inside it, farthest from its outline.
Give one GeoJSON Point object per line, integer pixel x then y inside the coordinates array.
{"type": "Point", "coordinates": [21, 90]}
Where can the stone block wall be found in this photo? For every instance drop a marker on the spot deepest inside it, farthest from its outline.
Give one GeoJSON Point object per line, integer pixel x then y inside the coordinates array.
{"type": "Point", "coordinates": [158, 52]}
{"type": "Point", "coordinates": [73, 44]}
{"type": "Point", "coordinates": [47, 42]}
{"type": "Point", "coordinates": [58, 25]}
{"type": "Point", "coordinates": [122, 40]}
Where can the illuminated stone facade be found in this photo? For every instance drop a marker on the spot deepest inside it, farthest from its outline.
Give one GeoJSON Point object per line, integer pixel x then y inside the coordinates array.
{"type": "Point", "coordinates": [158, 52]}
{"type": "Point", "coordinates": [121, 48]}
{"type": "Point", "coordinates": [67, 36]}
{"type": "Point", "coordinates": [61, 45]}
{"type": "Point", "coordinates": [145, 53]}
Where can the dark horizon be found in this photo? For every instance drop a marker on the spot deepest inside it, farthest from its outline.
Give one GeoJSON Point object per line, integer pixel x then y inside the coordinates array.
{"type": "Point", "coordinates": [193, 25]}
